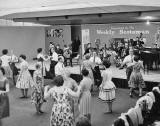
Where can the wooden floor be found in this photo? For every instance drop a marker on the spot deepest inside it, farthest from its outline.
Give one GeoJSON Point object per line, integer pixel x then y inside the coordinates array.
{"type": "Point", "coordinates": [152, 76]}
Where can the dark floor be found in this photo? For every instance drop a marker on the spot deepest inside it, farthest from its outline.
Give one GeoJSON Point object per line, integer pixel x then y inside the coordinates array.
{"type": "Point", "coordinates": [22, 112]}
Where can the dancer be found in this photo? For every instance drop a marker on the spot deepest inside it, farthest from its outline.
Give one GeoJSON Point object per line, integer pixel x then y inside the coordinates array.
{"type": "Point", "coordinates": [69, 82]}
{"type": "Point", "coordinates": [62, 112]}
{"type": "Point", "coordinates": [87, 64]}
{"type": "Point", "coordinates": [136, 79]}
{"type": "Point", "coordinates": [107, 88]}
{"type": "Point", "coordinates": [5, 63]}
{"type": "Point", "coordinates": [54, 60]}
{"type": "Point", "coordinates": [128, 60]}
{"type": "Point", "coordinates": [38, 94]}
{"type": "Point", "coordinates": [59, 68]}
{"type": "Point", "coordinates": [24, 80]}
{"type": "Point", "coordinates": [4, 100]}
{"type": "Point", "coordinates": [14, 60]}
{"type": "Point", "coordinates": [41, 58]}
{"type": "Point", "coordinates": [85, 97]}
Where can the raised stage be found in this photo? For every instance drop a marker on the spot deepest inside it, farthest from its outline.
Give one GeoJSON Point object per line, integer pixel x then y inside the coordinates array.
{"type": "Point", "coordinates": [119, 76]}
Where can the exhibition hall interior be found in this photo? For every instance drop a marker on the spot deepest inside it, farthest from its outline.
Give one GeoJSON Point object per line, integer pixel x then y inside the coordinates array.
{"type": "Point", "coordinates": [79, 63]}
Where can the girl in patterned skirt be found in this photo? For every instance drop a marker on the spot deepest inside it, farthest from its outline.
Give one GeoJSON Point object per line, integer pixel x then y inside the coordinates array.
{"type": "Point", "coordinates": [38, 93]}
{"type": "Point", "coordinates": [107, 88]}
{"type": "Point", "coordinates": [136, 79]}
{"type": "Point", "coordinates": [24, 80]}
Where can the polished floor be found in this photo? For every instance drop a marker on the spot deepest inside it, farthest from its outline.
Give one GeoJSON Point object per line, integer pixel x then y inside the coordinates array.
{"type": "Point", "coordinates": [22, 112]}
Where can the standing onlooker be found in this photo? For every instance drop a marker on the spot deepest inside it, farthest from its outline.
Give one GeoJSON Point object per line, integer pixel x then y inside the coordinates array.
{"type": "Point", "coordinates": [5, 63]}
{"type": "Point", "coordinates": [4, 100]}
{"type": "Point", "coordinates": [136, 79]}
{"type": "Point", "coordinates": [38, 89]}
{"type": "Point", "coordinates": [107, 88]}
{"type": "Point", "coordinates": [85, 97]}
{"type": "Point", "coordinates": [24, 80]}
{"type": "Point", "coordinates": [54, 60]}
{"type": "Point", "coordinates": [62, 110]}
{"type": "Point", "coordinates": [59, 68]}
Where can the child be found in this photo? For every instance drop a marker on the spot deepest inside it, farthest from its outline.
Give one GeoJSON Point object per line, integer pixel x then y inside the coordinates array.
{"type": "Point", "coordinates": [107, 88]}
{"type": "Point", "coordinates": [136, 79]}
{"type": "Point", "coordinates": [37, 94]}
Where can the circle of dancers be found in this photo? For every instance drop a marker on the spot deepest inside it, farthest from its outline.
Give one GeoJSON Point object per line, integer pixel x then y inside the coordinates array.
{"type": "Point", "coordinates": [66, 92]}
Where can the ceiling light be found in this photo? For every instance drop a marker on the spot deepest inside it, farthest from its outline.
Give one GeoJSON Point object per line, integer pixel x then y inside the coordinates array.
{"type": "Point", "coordinates": [148, 22]}
{"type": "Point", "coordinates": [148, 17]}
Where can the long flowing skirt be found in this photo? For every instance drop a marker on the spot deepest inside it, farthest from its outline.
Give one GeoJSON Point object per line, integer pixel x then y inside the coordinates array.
{"type": "Point", "coordinates": [37, 96]}
{"type": "Point", "coordinates": [4, 106]}
{"type": "Point", "coordinates": [85, 103]}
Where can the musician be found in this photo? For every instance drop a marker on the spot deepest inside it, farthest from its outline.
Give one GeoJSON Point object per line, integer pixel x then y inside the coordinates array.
{"type": "Point", "coordinates": [140, 40]}
{"type": "Point", "coordinates": [95, 59]}
{"type": "Point", "coordinates": [59, 51]}
{"type": "Point", "coordinates": [88, 49]}
{"type": "Point", "coordinates": [51, 45]}
{"type": "Point", "coordinates": [120, 49]}
{"type": "Point", "coordinates": [67, 55]}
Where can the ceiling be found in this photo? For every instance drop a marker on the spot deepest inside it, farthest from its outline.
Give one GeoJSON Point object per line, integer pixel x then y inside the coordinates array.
{"type": "Point", "coordinates": [75, 12]}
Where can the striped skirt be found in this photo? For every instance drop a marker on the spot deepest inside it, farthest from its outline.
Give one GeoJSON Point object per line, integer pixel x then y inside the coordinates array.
{"type": "Point", "coordinates": [107, 95]}
{"type": "Point", "coordinates": [85, 103]}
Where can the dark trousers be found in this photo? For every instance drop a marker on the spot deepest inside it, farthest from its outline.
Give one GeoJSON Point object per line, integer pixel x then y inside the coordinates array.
{"type": "Point", "coordinates": [52, 68]}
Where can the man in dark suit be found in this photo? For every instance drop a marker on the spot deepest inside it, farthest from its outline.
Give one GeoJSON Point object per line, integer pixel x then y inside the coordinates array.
{"type": "Point", "coordinates": [59, 51]}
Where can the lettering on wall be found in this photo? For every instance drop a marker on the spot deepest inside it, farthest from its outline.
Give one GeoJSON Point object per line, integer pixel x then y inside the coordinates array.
{"type": "Point", "coordinates": [55, 33]}
{"type": "Point", "coordinates": [126, 30]}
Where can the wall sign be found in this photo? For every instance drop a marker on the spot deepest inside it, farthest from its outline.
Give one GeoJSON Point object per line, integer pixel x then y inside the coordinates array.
{"type": "Point", "coordinates": [126, 30]}
{"type": "Point", "coordinates": [56, 33]}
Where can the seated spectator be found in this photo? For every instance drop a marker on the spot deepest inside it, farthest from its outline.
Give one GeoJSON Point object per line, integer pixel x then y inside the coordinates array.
{"type": "Point", "coordinates": [67, 53]}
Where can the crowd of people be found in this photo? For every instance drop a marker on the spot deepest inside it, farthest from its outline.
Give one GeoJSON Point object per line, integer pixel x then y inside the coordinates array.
{"type": "Point", "coordinates": [66, 92]}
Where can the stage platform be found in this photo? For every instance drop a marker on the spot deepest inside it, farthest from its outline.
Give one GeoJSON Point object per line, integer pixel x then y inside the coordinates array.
{"type": "Point", "coordinates": [119, 76]}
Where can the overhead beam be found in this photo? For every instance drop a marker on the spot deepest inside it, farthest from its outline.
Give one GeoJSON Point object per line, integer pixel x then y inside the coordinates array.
{"type": "Point", "coordinates": [80, 17]}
